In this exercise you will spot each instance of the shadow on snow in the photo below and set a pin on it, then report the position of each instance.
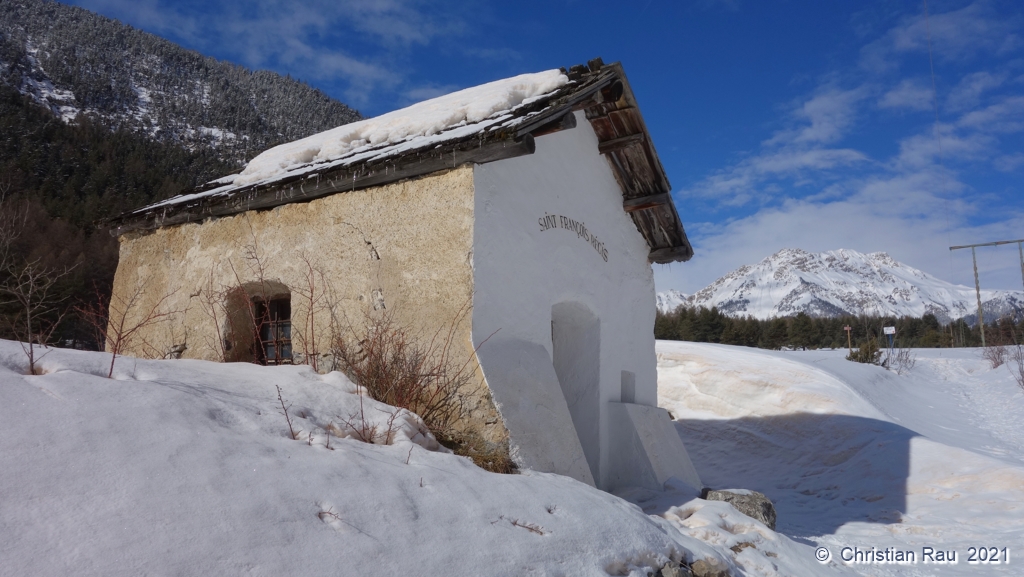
(820, 471)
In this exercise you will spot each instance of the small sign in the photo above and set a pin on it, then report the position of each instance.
(847, 328)
(889, 330)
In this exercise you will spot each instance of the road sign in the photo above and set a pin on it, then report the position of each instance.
(889, 330)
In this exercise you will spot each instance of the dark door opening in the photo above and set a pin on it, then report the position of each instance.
(273, 331)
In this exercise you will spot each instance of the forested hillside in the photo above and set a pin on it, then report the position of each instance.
(76, 62)
(97, 118)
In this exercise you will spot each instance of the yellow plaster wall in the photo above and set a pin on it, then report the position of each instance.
(408, 244)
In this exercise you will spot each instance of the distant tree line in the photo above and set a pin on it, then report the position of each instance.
(802, 331)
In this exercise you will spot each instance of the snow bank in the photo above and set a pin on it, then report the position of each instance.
(187, 468)
(853, 455)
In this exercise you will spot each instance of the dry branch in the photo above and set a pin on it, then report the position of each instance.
(118, 326)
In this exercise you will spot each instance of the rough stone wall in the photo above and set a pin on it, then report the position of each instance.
(405, 248)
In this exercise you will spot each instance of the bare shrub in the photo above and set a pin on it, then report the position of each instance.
(284, 411)
(398, 371)
(30, 289)
(902, 361)
(493, 457)
(314, 296)
(211, 302)
(367, 431)
(118, 326)
(426, 379)
(995, 355)
(33, 290)
(1016, 365)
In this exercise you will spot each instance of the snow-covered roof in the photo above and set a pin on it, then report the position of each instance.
(481, 124)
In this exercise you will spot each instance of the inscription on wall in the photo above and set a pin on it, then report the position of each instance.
(550, 221)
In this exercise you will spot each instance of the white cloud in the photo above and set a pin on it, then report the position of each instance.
(924, 149)
(955, 36)
(909, 94)
(816, 192)
(1007, 115)
(914, 216)
(967, 93)
(303, 37)
(739, 184)
(1009, 162)
(823, 118)
(795, 152)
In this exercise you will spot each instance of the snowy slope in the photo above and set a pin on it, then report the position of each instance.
(844, 282)
(670, 300)
(856, 456)
(187, 468)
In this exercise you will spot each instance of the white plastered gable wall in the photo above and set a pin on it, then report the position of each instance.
(565, 335)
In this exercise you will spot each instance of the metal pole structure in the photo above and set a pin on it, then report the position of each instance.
(977, 292)
(977, 285)
(1021, 250)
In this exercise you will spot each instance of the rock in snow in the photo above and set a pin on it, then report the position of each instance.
(841, 282)
(751, 503)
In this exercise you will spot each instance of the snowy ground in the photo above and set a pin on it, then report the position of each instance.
(856, 456)
(187, 468)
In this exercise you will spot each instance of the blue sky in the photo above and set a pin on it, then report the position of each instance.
(804, 123)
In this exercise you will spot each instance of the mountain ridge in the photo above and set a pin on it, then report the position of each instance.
(841, 282)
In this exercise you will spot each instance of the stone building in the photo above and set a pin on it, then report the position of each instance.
(523, 214)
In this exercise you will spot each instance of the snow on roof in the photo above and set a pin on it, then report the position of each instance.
(421, 125)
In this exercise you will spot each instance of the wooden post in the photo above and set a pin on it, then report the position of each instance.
(849, 342)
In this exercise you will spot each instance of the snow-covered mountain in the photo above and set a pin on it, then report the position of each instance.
(671, 299)
(841, 282)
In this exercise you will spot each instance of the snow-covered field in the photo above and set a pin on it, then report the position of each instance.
(187, 468)
(855, 456)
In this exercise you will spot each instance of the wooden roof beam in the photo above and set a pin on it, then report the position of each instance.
(566, 122)
(645, 202)
(620, 143)
(671, 254)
